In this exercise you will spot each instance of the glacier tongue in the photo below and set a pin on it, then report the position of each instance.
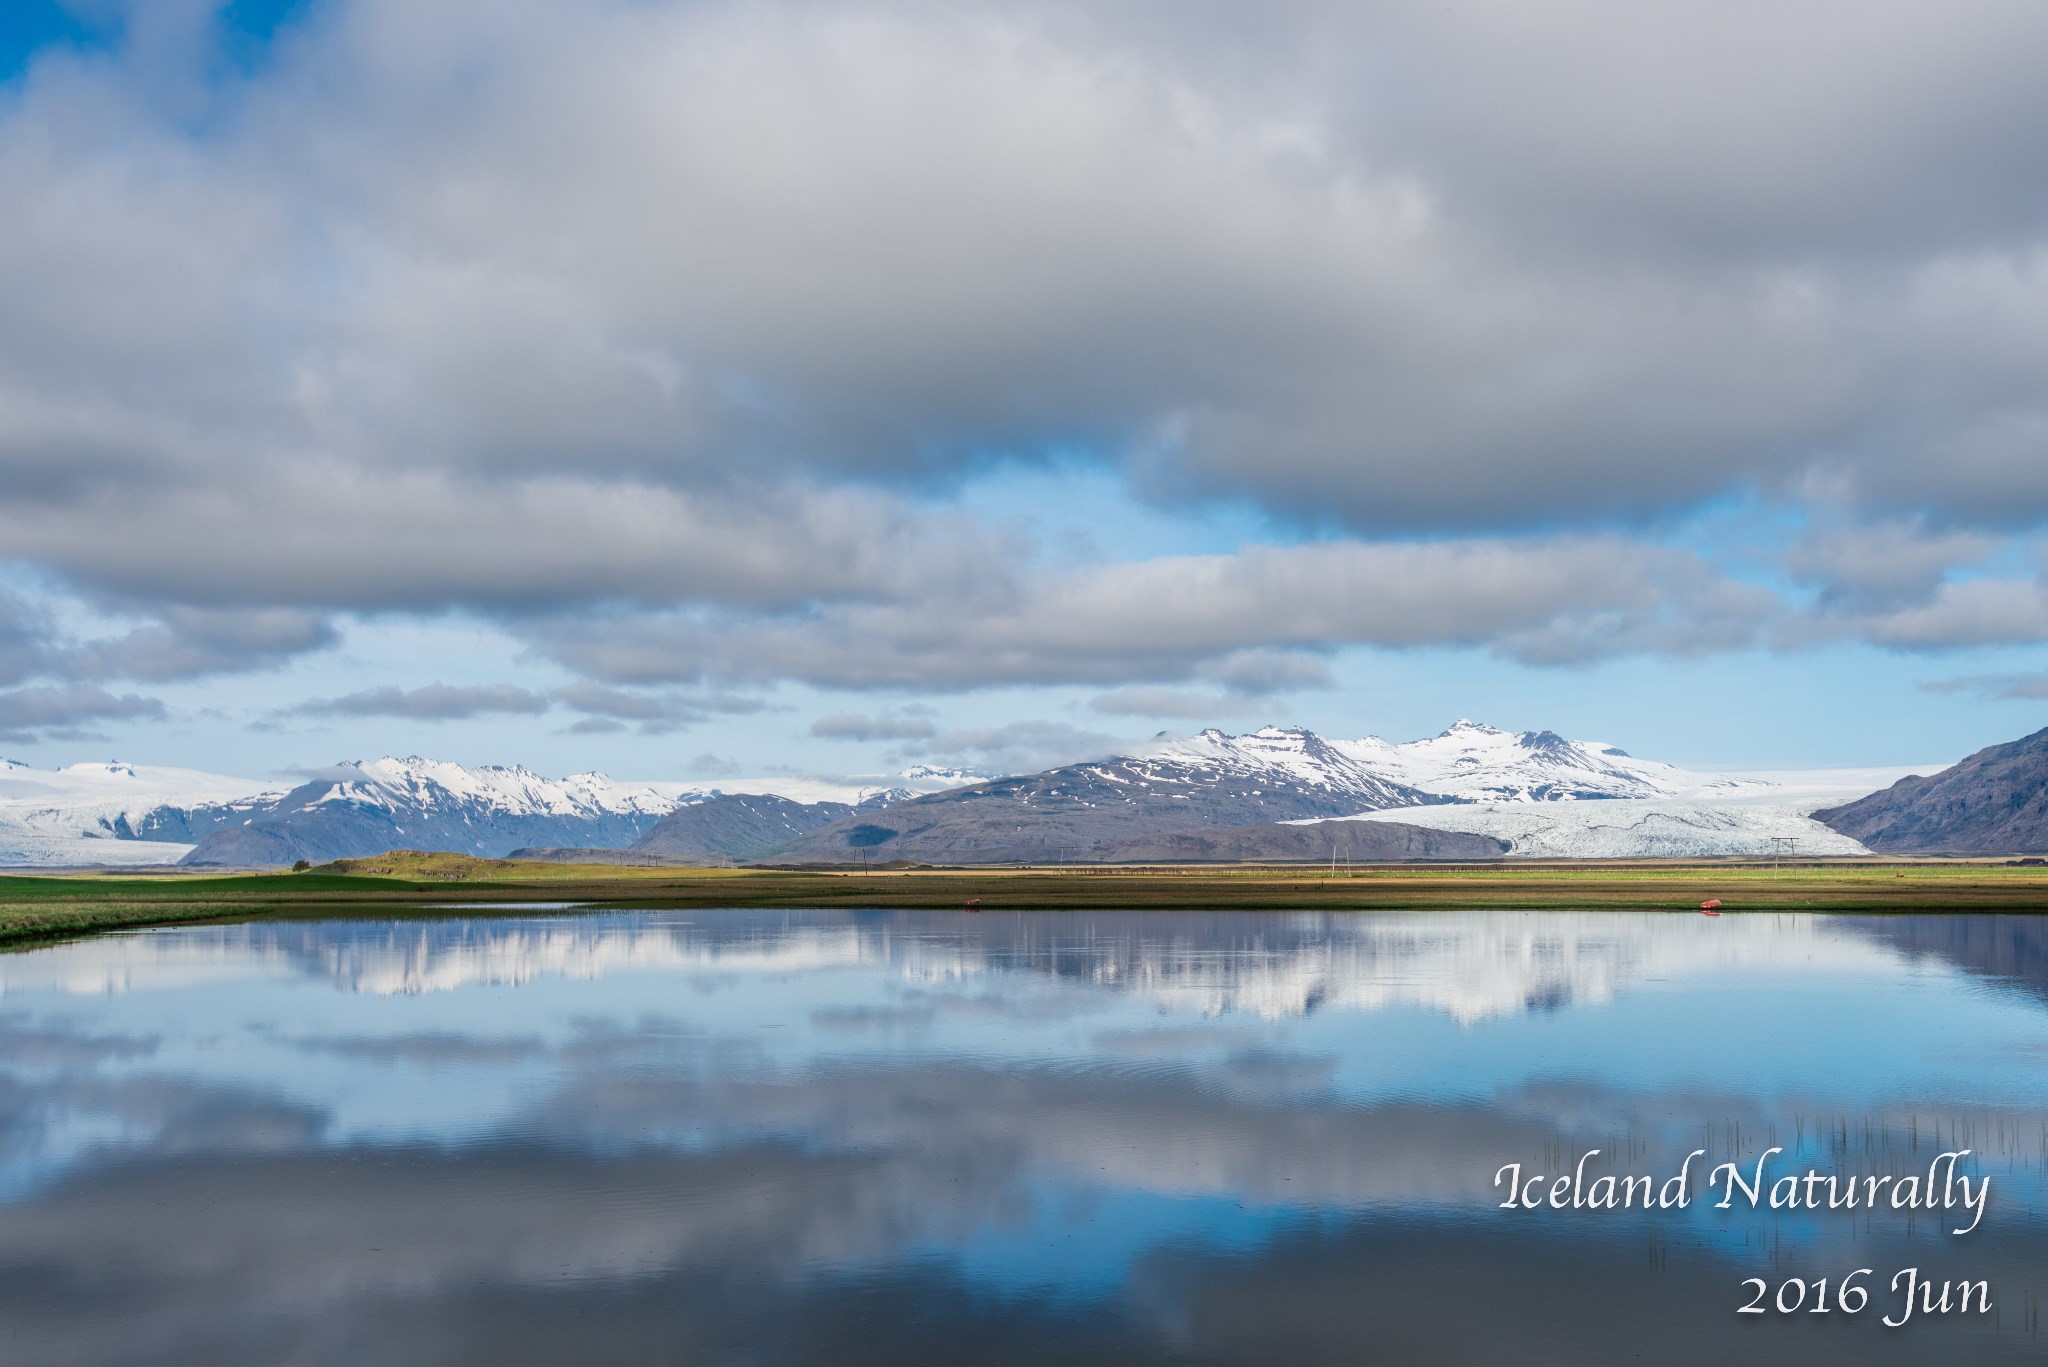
(1641, 828)
(101, 813)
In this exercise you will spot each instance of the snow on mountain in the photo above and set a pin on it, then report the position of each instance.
(931, 779)
(1546, 796)
(1473, 762)
(1535, 790)
(1632, 828)
(427, 785)
(1470, 762)
(1287, 756)
(108, 813)
(126, 814)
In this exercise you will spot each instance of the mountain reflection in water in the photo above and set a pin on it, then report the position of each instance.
(893, 1137)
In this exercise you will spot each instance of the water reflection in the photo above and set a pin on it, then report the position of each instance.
(892, 1137)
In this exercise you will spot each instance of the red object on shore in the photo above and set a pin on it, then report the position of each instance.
(1712, 906)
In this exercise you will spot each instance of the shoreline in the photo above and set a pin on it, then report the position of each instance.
(36, 909)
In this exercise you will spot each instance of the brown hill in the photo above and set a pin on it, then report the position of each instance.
(1994, 802)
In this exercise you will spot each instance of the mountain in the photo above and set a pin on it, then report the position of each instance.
(737, 826)
(368, 807)
(1219, 796)
(1473, 762)
(113, 813)
(359, 809)
(1534, 791)
(1305, 841)
(1630, 828)
(1210, 781)
(1994, 802)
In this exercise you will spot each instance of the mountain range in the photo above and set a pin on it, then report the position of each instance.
(1469, 792)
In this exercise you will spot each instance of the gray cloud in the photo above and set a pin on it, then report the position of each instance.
(1244, 616)
(618, 704)
(655, 713)
(1257, 673)
(1881, 565)
(1973, 612)
(858, 726)
(24, 639)
(178, 643)
(59, 711)
(1184, 703)
(1248, 681)
(1020, 747)
(639, 364)
(1997, 687)
(433, 702)
(194, 642)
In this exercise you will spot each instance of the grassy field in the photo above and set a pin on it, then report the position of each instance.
(33, 908)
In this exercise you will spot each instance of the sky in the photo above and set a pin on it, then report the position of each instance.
(687, 388)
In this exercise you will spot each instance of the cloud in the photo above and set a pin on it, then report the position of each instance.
(24, 638)
(656, 713)
(191, 643)
(857, 726)
(1993, 687)
(1974, 612)
(434, 702)
(59, 711)
(1020, 746)
(444, 311)
(1249, 680)
(1247, 616)
(1256, 673)
(1170, 702)
(1881, 565)
(176, 643)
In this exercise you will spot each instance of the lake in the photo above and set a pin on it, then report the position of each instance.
(1149, 1137)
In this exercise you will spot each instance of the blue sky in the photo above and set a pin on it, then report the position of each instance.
(683, 389)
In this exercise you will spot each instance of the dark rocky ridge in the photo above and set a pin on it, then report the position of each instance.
(737, 826)
(1359, 840)
(1081, 812)
(584, 854)
(1994, 802)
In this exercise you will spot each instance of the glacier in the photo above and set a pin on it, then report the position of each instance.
(110, 813)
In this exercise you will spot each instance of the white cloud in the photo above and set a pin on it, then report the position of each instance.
(659, 329)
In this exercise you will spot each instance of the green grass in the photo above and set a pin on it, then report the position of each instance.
(404, 882)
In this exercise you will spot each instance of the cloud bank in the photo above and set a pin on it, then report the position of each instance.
(664, 334)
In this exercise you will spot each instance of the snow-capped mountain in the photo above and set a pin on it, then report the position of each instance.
(1470, 762)
(929, 778)
(1286, 757)
(1540, 794)
(510, 790)
(1534, 790)
(367, 807)
(112, 813)
(360, 809)
(1207, 782)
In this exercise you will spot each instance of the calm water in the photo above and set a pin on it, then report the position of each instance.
(841, 1138)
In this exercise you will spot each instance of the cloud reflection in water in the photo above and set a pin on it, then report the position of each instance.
(846, 1137)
